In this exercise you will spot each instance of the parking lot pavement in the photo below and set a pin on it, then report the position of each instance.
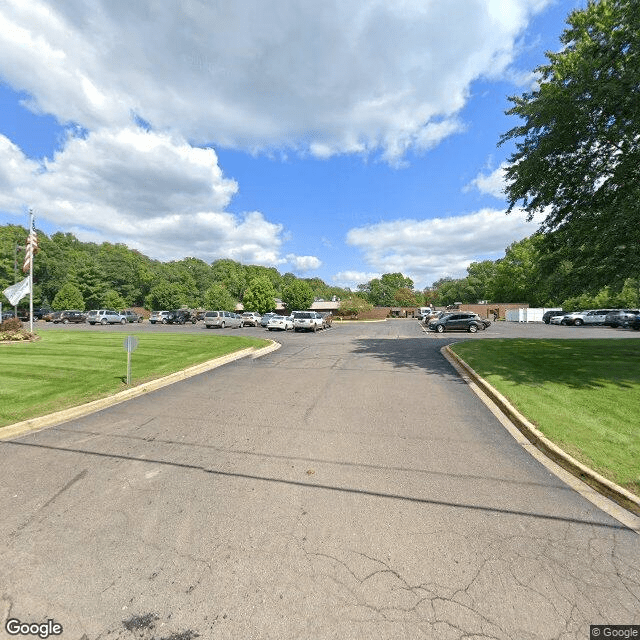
(401, 327)
(348, 485)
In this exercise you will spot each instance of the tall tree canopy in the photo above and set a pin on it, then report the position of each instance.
(577, 157)
(381, 291)
(260, 295)
(297, 295)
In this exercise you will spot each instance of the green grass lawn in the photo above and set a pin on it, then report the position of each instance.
(584, 395)
(66, 368)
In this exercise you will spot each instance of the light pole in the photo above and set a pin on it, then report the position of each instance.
(15, 271)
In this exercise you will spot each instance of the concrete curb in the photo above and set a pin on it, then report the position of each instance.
(609, 489)
(51, 419)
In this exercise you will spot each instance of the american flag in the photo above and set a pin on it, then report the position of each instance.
(31, 249)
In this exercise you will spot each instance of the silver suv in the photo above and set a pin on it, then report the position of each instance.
(307, 321)
(592, 316)
(251, 318)
(105, 316)
(222, 319)
(159, 316)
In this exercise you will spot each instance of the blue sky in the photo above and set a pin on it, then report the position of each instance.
(343, 139)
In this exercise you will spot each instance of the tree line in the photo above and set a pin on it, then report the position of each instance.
(70, 274)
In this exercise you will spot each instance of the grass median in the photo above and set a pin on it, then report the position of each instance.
(584, 395)
(64, 369)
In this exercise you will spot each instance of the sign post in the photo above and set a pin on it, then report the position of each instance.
(130, 345)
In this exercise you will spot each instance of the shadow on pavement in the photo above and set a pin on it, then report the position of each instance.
(410, 353)
(324, 487)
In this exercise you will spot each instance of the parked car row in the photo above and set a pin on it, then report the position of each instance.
(608, 317)
(95, 316)
(297, 321)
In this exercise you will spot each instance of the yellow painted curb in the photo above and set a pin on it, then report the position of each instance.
(33, 424)
(601, 484)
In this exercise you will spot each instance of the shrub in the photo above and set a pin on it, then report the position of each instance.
(11, 324)
(11, 329)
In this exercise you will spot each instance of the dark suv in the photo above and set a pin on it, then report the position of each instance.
(620, 317)
(547, 315)
(131, 316)
(470, 322)
(180, 316)
(71, 316)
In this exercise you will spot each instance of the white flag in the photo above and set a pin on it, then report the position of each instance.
(17, 291)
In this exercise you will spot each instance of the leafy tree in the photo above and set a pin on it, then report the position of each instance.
(113, 300)
(68, 297)
(381, 291)
(480, 278)
(516, 275)
(231, 274)
(127, 271)
(629, 297)
(260, 295)
(166, 295)
(404, 297)
(297, 295)
(577, 157)
(450, 291)
(175, 273)
(89, 278)
(354, 306)
(196, 275)
(253, 271)
(11, 261)
(217, 297)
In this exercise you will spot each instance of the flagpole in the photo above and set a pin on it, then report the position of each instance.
(31, 274)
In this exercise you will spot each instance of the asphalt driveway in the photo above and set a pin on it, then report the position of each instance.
(349, 485)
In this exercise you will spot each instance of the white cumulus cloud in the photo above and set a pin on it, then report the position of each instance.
(492, 184)
(153, 192)
(351, 279)
(426, 250)
(322, 77)
(304, 263)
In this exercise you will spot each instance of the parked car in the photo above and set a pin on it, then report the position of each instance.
(251, 319)
(264, 320)
(180, 316)
(73, 315)
(557, 319)
(620, 317)
(547, 315)
(51, 316)
(105, 316)
(591, 316)
(7, 315)
(158, 316)
(307, 321)
(327, 319)
(222, 319)
(635, 323)
(131, 316)
(466, 321)
(282, 323)
(38, 313)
